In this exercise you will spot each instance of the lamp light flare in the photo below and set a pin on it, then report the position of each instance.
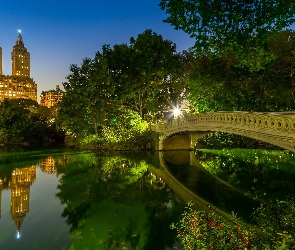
(176, 112)
(19, 31)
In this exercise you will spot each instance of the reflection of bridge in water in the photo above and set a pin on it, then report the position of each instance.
(274, 128)
(184, 190)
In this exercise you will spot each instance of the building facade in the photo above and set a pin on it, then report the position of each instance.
(51, 97)
(20, 59)
(19, 84)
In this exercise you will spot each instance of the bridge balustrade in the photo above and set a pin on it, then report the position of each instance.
(270, 127)
(271, 121)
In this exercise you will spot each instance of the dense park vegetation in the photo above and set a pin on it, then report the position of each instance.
(263, 175)
(111, 99)
(243, 60)
(24, 121)
(218, 84)
(223, 27)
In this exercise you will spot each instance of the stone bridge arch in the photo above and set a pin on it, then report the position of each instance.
(277, 128)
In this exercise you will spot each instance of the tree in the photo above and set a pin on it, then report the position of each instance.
(216, 84)
(220, 27)
(20, 122)
(158, 72)
(120, 80)
(90, 101)
(283, 47)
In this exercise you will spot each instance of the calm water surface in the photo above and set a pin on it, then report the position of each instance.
(57, 199)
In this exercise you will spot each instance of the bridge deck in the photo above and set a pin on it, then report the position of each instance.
(277, 128)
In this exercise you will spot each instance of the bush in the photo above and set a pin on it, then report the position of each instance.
(206, 230)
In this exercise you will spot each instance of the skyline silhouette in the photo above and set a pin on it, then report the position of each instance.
(61, 33)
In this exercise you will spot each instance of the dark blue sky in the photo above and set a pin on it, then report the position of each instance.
(60, 33)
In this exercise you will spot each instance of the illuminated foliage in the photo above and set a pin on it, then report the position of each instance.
(206, 230)
(107, 96)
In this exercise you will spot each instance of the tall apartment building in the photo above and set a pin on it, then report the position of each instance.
(51, 97)
(19, 84)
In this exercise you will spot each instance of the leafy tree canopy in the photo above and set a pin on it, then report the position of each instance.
(226, 26)
(122, 81)
(216, 84)
(21, 122)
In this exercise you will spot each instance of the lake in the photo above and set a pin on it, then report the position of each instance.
(65, 199)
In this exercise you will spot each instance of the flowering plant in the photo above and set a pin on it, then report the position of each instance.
(206, 230)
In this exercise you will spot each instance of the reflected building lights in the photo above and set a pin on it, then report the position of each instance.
(21, 180)
(18, 235)
(48, 165)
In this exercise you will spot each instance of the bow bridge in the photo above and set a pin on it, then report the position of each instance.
(277, 128)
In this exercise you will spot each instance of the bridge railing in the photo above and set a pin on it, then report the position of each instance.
(279, 121)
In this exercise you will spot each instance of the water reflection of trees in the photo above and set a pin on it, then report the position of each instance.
(268, 175)
(115, 201)
(263, 174)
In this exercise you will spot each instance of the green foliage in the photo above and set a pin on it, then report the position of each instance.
(266, 175)
(278, 224)
(283, 68)
(110, 203)
(220, 27)
(113, 91)
(127, 132)
(206, 230)
(226, 140)
(20, 122)
(127, 125)
(216, 84)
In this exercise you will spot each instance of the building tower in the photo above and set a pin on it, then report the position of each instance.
(19, 84)
(0, 61)
(20, 58)
(51, 98)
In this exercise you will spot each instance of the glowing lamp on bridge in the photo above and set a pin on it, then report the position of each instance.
(176, 112)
